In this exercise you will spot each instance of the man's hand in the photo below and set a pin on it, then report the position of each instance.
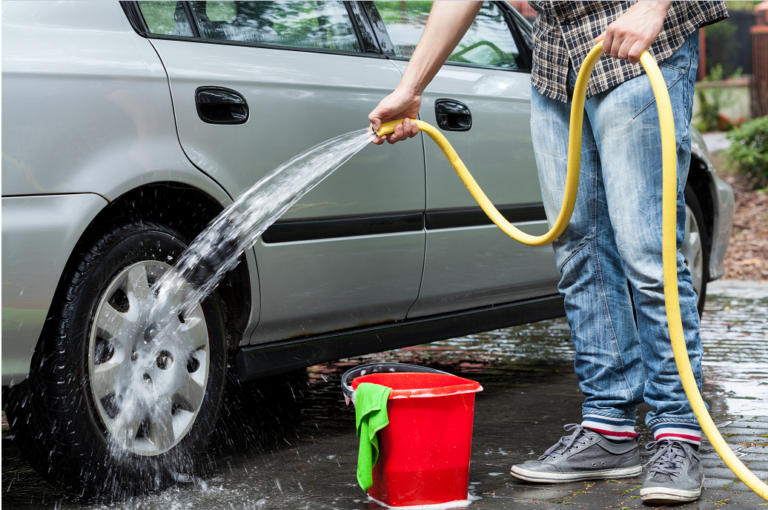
(447, 24)
(400, 104)
(635, 30)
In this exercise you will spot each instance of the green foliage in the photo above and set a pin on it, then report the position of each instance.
(159, 16)
(722, 47)
(748, 153)
(221, 11)
(415, 12)
(487, 42)
(742, 5)
(712, 100)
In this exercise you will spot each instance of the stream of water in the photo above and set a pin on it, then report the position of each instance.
(216, 250)
(198, 271)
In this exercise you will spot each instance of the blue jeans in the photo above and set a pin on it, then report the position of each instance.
(615, 237)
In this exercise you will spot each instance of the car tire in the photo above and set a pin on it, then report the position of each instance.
(695, 248)
(56, 418)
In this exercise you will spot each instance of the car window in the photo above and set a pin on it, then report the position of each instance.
(166, 18)
(314, 25)
(488, 42)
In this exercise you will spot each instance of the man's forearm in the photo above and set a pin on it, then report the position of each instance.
(447, 24)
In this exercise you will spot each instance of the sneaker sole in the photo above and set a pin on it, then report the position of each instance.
(665, 495)
(538, 477)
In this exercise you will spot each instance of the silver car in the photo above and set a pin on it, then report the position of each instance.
(129, 126)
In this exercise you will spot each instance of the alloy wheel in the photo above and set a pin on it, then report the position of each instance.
(692, 251)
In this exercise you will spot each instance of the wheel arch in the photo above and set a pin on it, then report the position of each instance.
(188, 210)
(701, 181)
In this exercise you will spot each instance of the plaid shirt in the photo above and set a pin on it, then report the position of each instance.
(565, 31)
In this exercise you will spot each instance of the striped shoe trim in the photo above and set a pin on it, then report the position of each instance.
(677, 431)
(610, 427)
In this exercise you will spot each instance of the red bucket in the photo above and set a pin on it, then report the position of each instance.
(424, 451)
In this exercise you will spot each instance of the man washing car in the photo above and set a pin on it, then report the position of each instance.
(614, 236)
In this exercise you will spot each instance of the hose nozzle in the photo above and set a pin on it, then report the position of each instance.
(388, 128)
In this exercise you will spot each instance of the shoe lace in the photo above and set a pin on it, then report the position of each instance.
(668, 459)
(565, 442)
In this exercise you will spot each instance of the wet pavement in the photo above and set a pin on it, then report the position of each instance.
(288, 442)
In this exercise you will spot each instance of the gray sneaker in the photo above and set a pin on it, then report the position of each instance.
(584, 455)
(675, 473)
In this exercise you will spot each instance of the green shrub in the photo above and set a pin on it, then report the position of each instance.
(748, 153)
(713, 99)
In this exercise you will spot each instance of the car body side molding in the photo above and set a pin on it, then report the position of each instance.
(347, 226)
(287, 231)
(274, 358)
(474, 216)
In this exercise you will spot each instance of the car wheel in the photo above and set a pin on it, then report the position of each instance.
(111, 409)
(694, 248)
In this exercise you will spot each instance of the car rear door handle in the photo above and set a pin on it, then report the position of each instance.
(217, 105)
(452, 115)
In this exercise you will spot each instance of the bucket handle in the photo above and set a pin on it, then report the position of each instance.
(377, 368)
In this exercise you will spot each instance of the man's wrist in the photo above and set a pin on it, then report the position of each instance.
(661, 7)
(410, 89)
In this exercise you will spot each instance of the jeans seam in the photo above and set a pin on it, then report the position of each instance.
(659, 421)
(682, 73)
(610, 319)
(687, 92)
(593, 221)
(581, 247)
(622, 416)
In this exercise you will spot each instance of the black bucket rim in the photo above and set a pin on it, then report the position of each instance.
(376, 368)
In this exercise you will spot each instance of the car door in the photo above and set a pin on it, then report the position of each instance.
(351, 252)
(481, 101)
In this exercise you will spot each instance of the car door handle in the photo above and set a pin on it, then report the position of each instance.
(452, 115)
(217, 105)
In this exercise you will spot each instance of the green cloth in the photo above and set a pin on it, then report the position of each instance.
(370, 417)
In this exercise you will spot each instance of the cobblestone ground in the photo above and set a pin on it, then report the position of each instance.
(289, 442)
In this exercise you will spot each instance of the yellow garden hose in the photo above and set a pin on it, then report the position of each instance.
(669, 231)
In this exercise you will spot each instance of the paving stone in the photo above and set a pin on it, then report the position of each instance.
(717, 483)
(515, 484)
(754, 457)
(529, 493)
(539, 494)
(706, 448)
(755, 449)
(740, 487)
(747, 498)
(727, 474)
(746, 439)
(707, 505)
(501, 503)
(754, 425)
(744, 431)
(699, 505)
(715, 495)
(595, 499)
(632, 503)
(712, 462)
(709, 455)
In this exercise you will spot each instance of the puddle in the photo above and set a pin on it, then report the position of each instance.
(735, 338)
